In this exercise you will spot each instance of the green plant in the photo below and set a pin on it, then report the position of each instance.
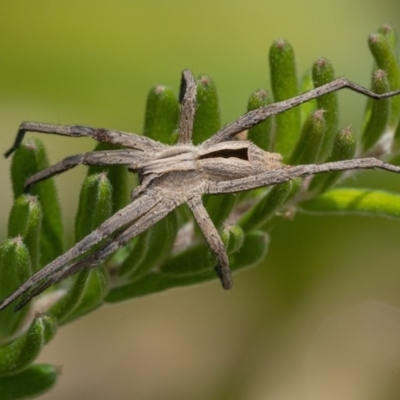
(305, 134)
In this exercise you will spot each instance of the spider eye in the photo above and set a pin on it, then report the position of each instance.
(241, 153)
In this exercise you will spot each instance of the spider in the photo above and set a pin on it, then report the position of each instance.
(177, 174)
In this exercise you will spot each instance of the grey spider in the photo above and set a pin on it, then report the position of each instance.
(173, 175)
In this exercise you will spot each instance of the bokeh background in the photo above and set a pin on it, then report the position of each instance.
(320, 319)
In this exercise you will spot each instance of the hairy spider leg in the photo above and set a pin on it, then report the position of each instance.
(287, 173)
(131, 213)
(213, 240)
(155, 214)
(258, 115)
(132, 158)
(130, 140)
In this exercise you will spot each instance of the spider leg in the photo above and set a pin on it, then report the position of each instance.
(287, 173)
(132, 158)
(158, 212)
(254, 117)
(130, 140)
(133, 211)
(187, 97)
(213, 240)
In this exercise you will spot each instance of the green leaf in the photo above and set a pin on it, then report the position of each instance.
(265, 209)
(19, 354)
(261, 134)
(117, 176)
(207, 120)
(91, 285)
(233, 236)
(308, 147)
(384, 52)
(355, 202)
(95, 204)
(85, 294)
(219, 208)
(390, 35)
(344, 148)
(31, 382)
(194, 260)
(378, 114)
(199, 259)
(252, 252)
(162, 113)
(397, 136)
(323, 73)
(284, 86)
(15, 268)
(136, 254)
(28, 159)
(306, 84)
(159, 241)
(25, 220)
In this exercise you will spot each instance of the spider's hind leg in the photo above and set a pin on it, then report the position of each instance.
(214, 240)
(154, 214)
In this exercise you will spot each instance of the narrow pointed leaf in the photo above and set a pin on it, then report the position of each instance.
(308, 147)
(254, 249)
(162, 113)
(27, 160)
(385, 56)
(284, 86)
(25, 220)
(17, 355)
(95, 204)
(261, 134)
(355, 202)
(344, 148)
(234, 238)
(397, 135)
(15, 268)
(272, 201)
(196, 259)
(91, 285)
(390, 35)
(323, 73)
(160, 239)
(379, 113)
(117, 176)
(199, 259)
(306, 84)
(33, 381)
(207, 120)
(140, 247)
(86, 294)
(219, 207)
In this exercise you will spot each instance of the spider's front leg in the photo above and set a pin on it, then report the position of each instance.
(254, 117)
(130, 140)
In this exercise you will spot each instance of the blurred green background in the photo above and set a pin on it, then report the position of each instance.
(92, 63)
